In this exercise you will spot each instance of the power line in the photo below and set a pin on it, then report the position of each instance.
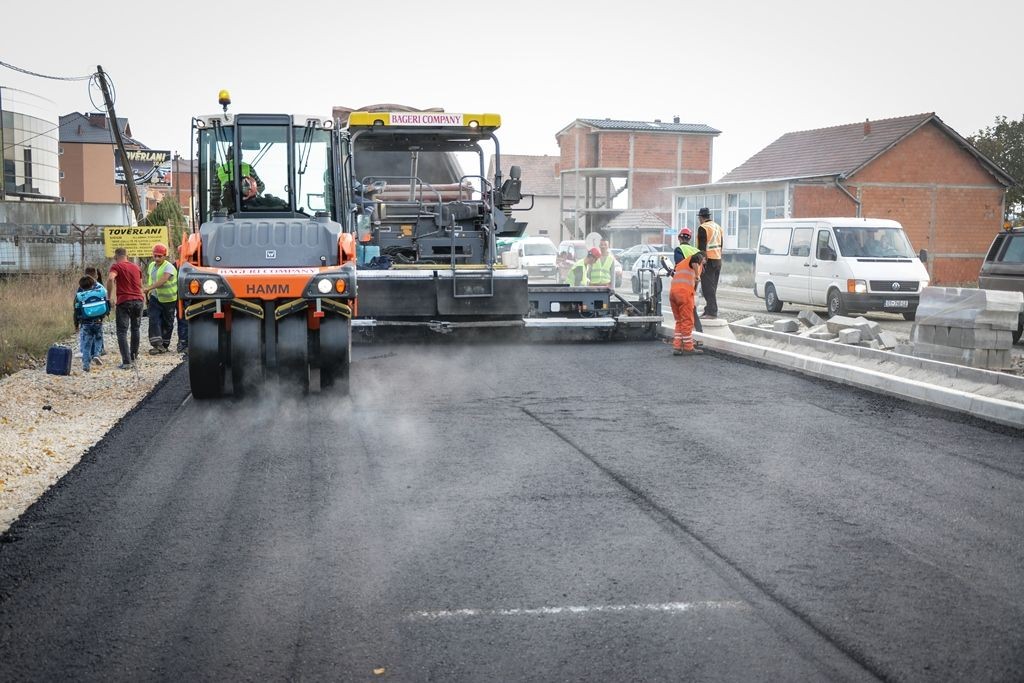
(52, 78)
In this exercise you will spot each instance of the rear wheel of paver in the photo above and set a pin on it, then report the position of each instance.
(909, 315)
(771, 299)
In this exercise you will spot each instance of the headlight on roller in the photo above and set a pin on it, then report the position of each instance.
(324, 286)
(210, 286)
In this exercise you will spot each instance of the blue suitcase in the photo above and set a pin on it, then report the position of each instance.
(58, 360)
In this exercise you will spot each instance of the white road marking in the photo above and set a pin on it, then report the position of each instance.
(578, 609)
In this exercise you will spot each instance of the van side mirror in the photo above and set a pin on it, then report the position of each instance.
(923, 255)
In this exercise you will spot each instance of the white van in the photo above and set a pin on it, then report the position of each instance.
(847, 265)
(536, 255)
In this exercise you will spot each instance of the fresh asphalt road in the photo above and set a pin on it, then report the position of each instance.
(534, 512)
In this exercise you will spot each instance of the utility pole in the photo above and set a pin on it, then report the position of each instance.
(3, 172)
(129, 176)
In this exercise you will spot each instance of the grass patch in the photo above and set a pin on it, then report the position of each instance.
(738, 274)
(35, 312)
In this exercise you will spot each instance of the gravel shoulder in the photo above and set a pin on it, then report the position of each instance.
(48, 422)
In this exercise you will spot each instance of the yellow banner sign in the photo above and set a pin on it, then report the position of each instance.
(137, 241)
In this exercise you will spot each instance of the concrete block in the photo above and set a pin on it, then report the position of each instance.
(989, 359)
(840, 322)
(788, 325)
(887, 340)
(924, 334)
(965, 307)
(849, 336)
(869, 329)
(986, 338)
(810, 319)
(749, 321)
(826, 335)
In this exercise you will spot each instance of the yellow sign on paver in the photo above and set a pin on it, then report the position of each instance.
(137, 241)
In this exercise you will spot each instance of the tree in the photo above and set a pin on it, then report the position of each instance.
(168, 212)
(1003, 143)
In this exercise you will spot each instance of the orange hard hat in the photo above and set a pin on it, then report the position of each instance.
(595, 252)
(159, 249)
(686, 232)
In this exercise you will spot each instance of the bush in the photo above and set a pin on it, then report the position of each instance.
(35, 312)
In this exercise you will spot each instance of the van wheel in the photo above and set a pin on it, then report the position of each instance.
(909, 315)
(835, 303)
(771, 299)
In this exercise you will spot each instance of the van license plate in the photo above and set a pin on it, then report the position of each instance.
(895, 303)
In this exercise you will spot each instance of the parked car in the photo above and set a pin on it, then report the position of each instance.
(630, 255)
(1003, 268)
(640, 274)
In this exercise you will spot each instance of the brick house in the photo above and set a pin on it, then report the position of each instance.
(87, 158)
(913, 169)
(603, 159)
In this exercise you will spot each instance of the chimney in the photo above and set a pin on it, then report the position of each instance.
(97, 120)
(657, 120)
(867, 127)
(675, 119)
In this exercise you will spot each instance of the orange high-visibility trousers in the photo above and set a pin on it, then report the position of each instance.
(682, 301)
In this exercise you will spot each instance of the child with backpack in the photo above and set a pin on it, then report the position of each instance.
(90, 307)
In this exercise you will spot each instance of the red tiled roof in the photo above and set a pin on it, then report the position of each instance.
(835, 151)
(538, 172)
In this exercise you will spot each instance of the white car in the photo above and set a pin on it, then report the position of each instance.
(642, 266)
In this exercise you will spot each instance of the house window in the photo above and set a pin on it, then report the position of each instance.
(744, 222)
(687, 208)
(775, 204)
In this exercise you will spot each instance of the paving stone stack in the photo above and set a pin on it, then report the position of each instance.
(971, 327)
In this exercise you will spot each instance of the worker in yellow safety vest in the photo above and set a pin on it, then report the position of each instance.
(579, 274)
(602, 273)
(161, 292)
(709, 241)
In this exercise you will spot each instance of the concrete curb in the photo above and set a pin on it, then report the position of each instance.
(996, 410)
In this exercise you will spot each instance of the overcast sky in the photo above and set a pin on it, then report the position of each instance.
(753, 70)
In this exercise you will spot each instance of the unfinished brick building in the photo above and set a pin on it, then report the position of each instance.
(604, 159)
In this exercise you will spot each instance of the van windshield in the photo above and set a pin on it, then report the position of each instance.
(539, 249)
(873, 243)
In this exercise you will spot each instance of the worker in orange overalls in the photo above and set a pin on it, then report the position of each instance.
(689, 263)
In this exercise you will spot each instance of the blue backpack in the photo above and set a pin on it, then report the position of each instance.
(92, 303)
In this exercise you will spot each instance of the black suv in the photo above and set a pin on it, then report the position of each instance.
(1004, 267)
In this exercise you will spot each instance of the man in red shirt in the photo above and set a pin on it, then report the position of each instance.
(126, 278)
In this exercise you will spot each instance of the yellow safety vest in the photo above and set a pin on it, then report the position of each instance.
(601, 271)
(581, 268)
(168, 291)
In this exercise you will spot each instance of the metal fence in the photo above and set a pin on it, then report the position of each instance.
(49, 248)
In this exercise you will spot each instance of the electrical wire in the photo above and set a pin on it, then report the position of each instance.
(52, 78)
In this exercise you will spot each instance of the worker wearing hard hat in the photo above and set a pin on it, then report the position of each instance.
(603, 271)
(709, 240)
(161, 292)
(579, 274)
(688, 266)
